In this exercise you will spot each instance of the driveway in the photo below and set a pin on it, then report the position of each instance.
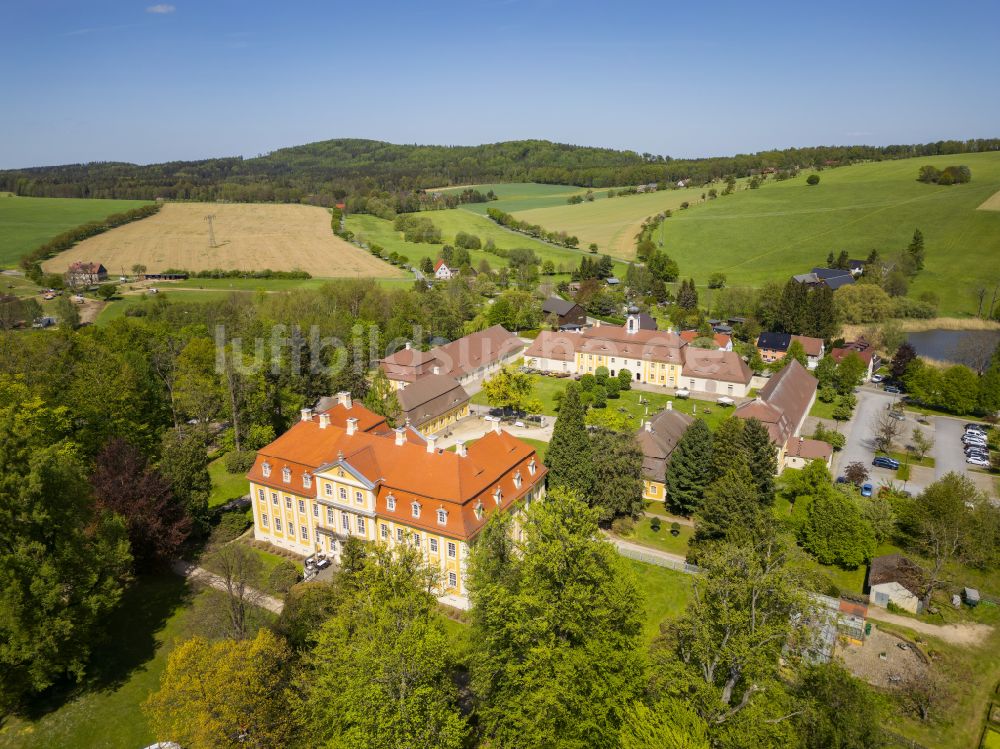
(858, 431)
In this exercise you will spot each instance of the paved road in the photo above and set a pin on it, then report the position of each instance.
(949, 454)
(858, 430)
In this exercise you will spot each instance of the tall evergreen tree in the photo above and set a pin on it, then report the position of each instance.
(728, 447)
(730, 512)
(762, 459)
(916, 249)
(556, 631)
(822, 319)
(617, 475)
(569, 456)
(689, 469)
(793, 309)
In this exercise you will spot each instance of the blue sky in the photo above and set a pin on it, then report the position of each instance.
(145, 82)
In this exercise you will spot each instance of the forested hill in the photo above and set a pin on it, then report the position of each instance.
(326, 171)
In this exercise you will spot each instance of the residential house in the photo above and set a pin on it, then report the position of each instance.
(565, 312)
(467, 359)
(342, 473)
(82, 273)
(653, 357)
(782, 406)
(864, 350)
(433, 403)
(895, 579)
(658, 437)
(774, 346)
(444, 272)
(722, 341)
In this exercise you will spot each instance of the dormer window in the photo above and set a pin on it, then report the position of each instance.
(307, 480)
(265, 468)
(517, 480)
(286, 474)
(415, 509)
(497, 495)
(390, 503)
(479, 510)
(442, 517)
(532, 467)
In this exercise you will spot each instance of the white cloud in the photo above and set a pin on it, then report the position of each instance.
(161, 8)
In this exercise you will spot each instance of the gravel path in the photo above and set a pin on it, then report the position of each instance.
(968, 634)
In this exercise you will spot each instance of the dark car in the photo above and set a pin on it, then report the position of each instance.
(883, 462)
(892, 389)
(841, 480)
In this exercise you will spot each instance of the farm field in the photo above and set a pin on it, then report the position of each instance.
(788, 227)
(248, 237)
(611, 223)
(521, 196)
(371, 229)
(26, 223)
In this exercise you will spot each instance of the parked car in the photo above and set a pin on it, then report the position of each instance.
(979, 441)
(866, 490)
(883, 462)
(978, 461)
(322, 564)
(892, 389)
(841, 480)
(877, 378)
(897, 415)
(976, 427)
(682, 393)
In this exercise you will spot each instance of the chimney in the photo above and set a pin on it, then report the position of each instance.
(324, 421)
(460, 449)
(400, 435)
(670, 405)
(648, 425)
(408, 345)
(352, 426)
(344, 399)
(431, 443)
(307, 414)
(436, 369)
(496, 426)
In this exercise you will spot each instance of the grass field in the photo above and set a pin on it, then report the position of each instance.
(667, 593)
(610, 222)
(26, 223)
(105, 711)
(788, 227)
(247, 236)
(521, 196)
(662, 539)
(225, 485)
(371, 229)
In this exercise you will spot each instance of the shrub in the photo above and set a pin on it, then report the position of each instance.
(624, 379)
(655, 524)
(231, 526)
(239, 461)
(282, 577)
(812, 179)
(623, 526)
(612, 387)
(600, 397)
(675, 529)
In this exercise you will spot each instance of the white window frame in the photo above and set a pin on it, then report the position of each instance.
(331, 518)
(390, 503)
(517, 480)
(343, 494)
(307, 481)
(433, 545)
(315, 510)
(532, 467)
(452, 550)
(384, 530)
(452, 580)
(286, 475)
(361, 525)
(400, 535)
(415, 509)
(263, 519)
(416, 539)
(302, 505)
(274, 498)
(498, 496)
(345, 522)
(305, 532)
(442, 517)
(359, 497)
(288, 503)
(329, 490)
(265, 468)
(277, 524)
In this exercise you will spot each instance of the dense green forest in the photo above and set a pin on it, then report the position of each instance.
(327, 171)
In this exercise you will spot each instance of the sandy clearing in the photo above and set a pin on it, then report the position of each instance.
(966, 634)
(249, 236)
(992, 203)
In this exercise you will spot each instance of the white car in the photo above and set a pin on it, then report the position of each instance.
(977, 461)
(682, 393)
(877, 378)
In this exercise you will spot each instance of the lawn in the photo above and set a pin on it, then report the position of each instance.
(662, 539)
(628, 405)
(667, 593)
(105, 711)
(225, 485)
(905, 458)
(540, 447)
(788, 227)
(823, 410)
(26, 223)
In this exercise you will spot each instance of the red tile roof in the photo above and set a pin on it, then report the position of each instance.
(721, 339)
(726, 366)
(783, 402)
(551, 345)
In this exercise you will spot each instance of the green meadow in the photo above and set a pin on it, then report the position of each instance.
(789, 227)
(522, 196)
(26, 223)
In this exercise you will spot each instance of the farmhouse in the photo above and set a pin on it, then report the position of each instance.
(774, 346)
(895, 579)
(565, 312)
(342, 473)
(653, 357)
(832, 278)
(782, 405)
(864, 350)
(657, 438)
(443, 272)
(84, 274)
(433, 403)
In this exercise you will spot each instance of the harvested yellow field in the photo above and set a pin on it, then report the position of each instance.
(992, 203)
(248, 236)
(611, 223)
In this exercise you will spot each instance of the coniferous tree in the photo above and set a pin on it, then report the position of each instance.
(569, 456)
(617, 486)
(730, 512)
(821, 319)
(916, 249)
(556, 630)
(729, 447)
(762, 459)
(689, 469)
(793, 309)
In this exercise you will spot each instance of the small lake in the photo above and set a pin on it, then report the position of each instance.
(970, 347)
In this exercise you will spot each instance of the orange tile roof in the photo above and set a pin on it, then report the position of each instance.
(726, 366)
(721, 339)
(551, 345)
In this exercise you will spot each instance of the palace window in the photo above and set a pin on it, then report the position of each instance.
(385, 531)
(328, 488)
(517, 480)
(361, 526)
(434, 545)
(390, 503)
(288, 503)
(274, 498)
(532, 467)
(359, 497)
(315, 511)
(286, 475)
(479, 510)
(302, 505)
(345, 522)
(307, 480)
(333, 544)
(451, 550)
(343, 494)
(416, 540)
(415, 509)
(260, 495)
(442, 516)
(305, 532)
(497, 495)
(399, 535)
(277, 524)
(263, 520)
(330, 518)
(452, 580)
(265, 468)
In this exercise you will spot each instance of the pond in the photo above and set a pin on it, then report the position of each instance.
(969, 347)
